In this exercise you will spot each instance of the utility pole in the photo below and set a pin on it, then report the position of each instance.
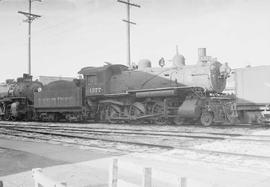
(128, 27)
(30, 17)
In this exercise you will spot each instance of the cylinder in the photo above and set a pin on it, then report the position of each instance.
(191, 108)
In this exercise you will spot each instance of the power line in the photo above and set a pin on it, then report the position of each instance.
(128, 27)
(30, 17)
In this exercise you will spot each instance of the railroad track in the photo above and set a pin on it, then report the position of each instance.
(122, 140)
(143, 132)
(137, 127)
(33, 134)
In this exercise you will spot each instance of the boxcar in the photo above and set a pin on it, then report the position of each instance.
(251, 88)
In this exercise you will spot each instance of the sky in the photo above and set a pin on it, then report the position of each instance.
(72, 34)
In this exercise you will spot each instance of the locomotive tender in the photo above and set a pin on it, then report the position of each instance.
(142, 94)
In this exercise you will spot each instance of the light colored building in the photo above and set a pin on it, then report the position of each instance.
(3, 89)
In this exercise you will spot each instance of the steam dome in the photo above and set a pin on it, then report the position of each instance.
(144, 63)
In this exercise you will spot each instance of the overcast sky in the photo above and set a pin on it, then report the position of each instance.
(72, 34)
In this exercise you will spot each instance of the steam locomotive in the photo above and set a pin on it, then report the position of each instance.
(116, 93)
(17, 100)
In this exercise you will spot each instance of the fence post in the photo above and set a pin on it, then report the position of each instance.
(1, 184)
(113, 173)
(182, 182)
(34, 171)
(147, 177)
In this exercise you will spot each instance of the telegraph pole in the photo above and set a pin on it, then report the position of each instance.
(128, 27)
(30, 17)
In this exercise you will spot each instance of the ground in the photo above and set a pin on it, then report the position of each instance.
(85, 167)
(17, 158)
(14, 161)
(165, 170)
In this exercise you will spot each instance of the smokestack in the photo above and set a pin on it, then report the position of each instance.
(202, 58)
(201, 53)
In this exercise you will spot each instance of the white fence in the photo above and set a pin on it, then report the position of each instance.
(40, 180)
(43, 181)
(114, 181)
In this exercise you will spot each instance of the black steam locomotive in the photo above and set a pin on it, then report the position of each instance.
(117, 93)
(17, 100)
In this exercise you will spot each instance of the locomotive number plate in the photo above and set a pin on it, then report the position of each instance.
(95, 90)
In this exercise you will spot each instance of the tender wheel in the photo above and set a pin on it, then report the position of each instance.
(207, 118)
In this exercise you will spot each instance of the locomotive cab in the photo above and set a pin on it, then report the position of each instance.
(98, 78)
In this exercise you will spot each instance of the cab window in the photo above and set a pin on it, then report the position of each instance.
(91, 79)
